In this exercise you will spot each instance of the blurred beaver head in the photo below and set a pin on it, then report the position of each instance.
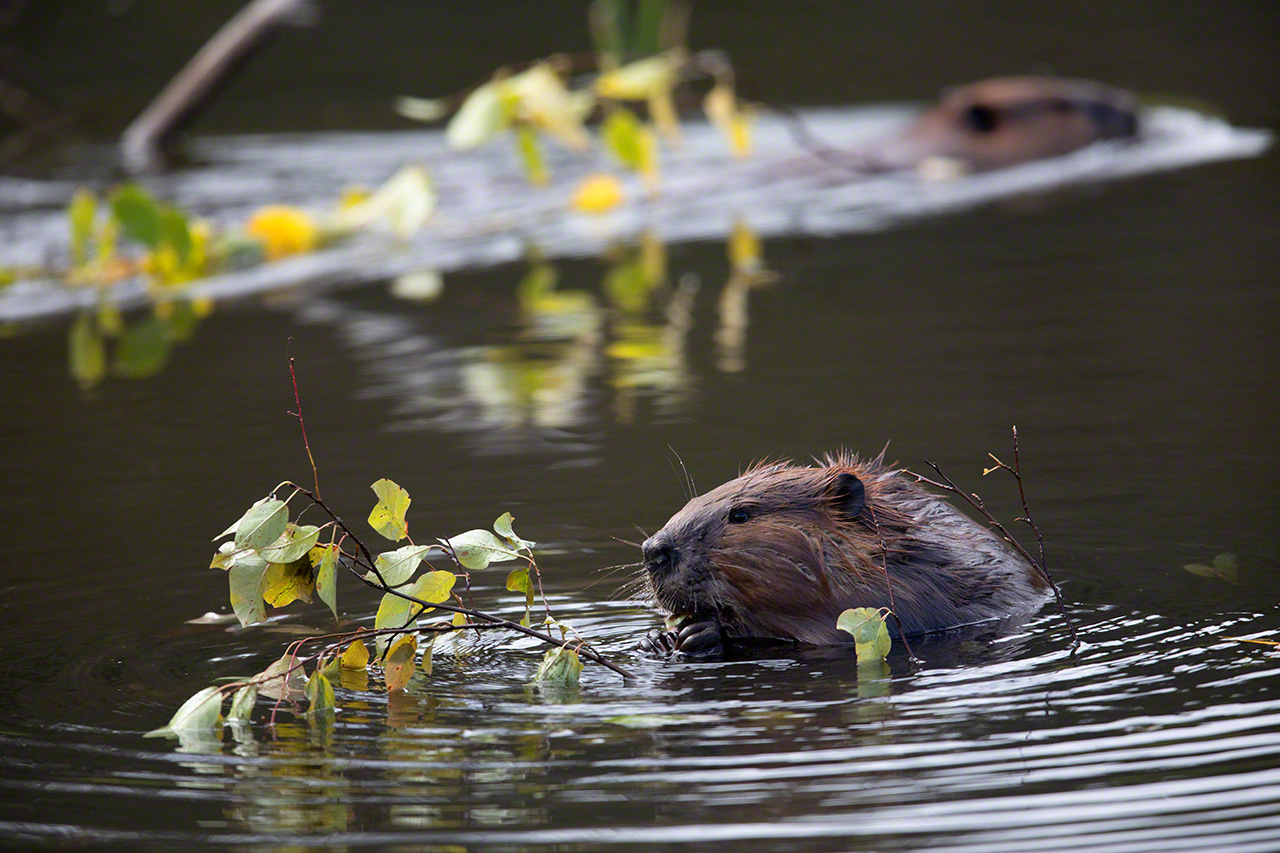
(1008, 120)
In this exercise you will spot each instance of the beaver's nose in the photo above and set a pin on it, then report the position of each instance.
(658, 551)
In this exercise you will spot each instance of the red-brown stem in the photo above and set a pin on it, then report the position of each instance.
(297, 399)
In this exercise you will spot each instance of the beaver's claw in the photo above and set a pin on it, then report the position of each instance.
(696, 639)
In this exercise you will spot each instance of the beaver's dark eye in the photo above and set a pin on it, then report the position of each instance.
(738, 515)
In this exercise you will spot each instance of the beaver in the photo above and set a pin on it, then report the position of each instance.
(1008, 120)
(780, 551)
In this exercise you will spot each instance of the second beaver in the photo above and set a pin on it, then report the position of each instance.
(1008, 120)
(782, 550)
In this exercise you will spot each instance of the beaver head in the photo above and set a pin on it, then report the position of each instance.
(1000, 122)
(782, 550)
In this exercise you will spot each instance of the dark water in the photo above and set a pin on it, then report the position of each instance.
(1130, 331)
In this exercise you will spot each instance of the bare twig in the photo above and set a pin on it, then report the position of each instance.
(976, 502)
(297, 398)
(884, 565)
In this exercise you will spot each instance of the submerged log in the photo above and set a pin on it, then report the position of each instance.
(144, 141)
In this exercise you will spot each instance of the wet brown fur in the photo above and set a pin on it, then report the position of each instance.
(799, 560)
(1007, 120)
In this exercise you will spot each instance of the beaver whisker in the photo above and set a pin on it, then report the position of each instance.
(626, 541)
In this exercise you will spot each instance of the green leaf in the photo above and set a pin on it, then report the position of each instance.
(519, 581)
(319, 693)
(503, 528)
(248, 581)
(324, 559)
(242, 704)
(292, 545)
(870, 633)
(138, 214)
(396, 567)
(87, 351)
(274, 683)
(560, 666)
(476, 549)
(388, 516)
(433, 587)
(530, 149)
(143, 349)
(623, 137)
(202, 711)
(262, 524)
(80, 213)
(393, 612)
(175, 232)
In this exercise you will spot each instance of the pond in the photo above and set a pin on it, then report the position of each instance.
(1129, 329)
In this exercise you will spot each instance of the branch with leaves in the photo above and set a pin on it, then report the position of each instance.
(273, 561)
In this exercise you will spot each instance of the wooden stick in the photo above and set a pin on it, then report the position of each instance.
(142, 144)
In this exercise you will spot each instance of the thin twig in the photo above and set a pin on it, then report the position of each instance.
(297, 398)
(884, 564)
(976, 502)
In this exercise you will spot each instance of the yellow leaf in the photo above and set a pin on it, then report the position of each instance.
(544, 101)
(433, 587)
(288, 582)
(637, 81)
(388, 516)
(598, 193)
(730, 118)
(398, 667)
(283, 231)
(744, 248)
(482, 116)
(662, 111)
(356, 656)
(425, 663)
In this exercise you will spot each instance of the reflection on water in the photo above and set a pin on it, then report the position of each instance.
(628, 335)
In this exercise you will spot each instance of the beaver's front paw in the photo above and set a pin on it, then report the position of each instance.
(695, 640)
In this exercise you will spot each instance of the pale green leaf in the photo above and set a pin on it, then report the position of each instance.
(248, 582)
(284, 679)
(324, 559)
(240, 520)
(396, 567)
(425, 662)
(503, 528)
(242, 704)
(387, 516)
(201, 711)
(422, 109)
(870, 633)
(262, 524)
(292, 545)
(560, 666)
(393, 612)
(482, 116)
(476, 549)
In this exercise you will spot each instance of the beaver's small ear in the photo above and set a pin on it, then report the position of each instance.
(848, 496)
